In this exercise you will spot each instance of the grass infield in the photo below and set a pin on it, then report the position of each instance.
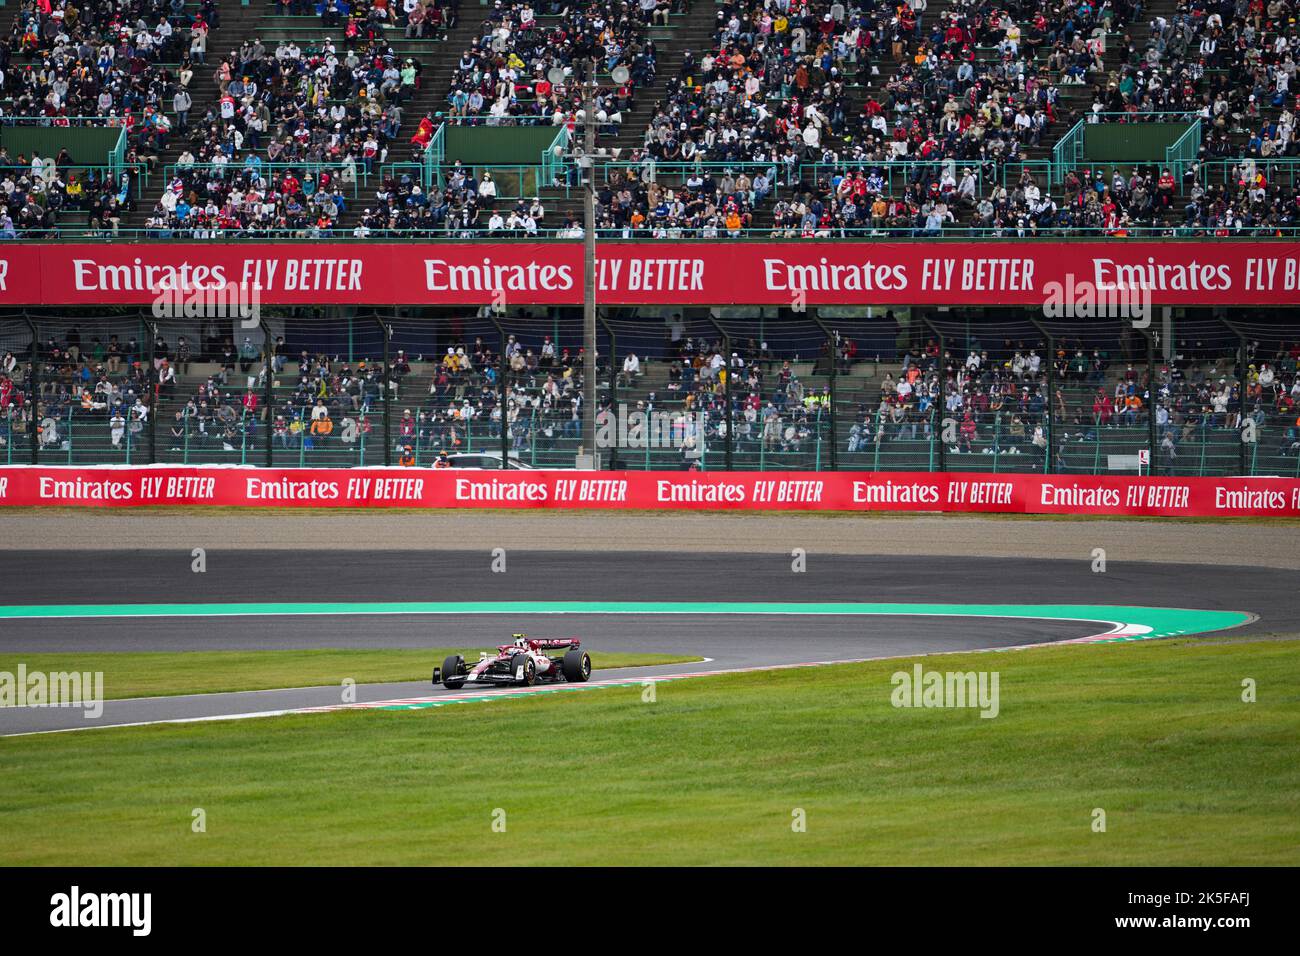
(1154, 734)
(163, 674)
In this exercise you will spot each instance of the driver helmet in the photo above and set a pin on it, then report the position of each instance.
(521, 640)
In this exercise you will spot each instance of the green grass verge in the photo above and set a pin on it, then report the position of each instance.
(1154, 734)
(139, 674)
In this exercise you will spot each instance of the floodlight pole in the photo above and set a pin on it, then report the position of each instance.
(587, 165)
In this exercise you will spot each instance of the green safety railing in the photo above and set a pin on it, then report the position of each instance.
(117, 155)
(1003, 441)
(1182, 153)
(897, 174)
(1068, 152)
(677, 173)
(554, 163)
(434, 156)
(58, 121)
(894, 233)
(524, 181)
(415, 170)
(353, 175)
(115, 158)
(1277, 170)
(488, 119)
(1040, 170)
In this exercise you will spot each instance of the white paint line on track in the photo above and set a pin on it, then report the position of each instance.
(490, 694)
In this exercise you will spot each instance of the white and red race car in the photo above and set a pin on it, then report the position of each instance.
(522, 662)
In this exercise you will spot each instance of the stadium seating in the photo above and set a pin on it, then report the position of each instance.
(896, 401)
(857, 119)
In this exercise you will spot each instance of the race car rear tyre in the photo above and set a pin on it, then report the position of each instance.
(576, 666)
(452, 678)
(530, 669)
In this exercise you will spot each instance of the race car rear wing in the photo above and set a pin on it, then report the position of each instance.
(556, 643)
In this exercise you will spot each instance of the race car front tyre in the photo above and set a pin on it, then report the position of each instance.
(529, 669)
(452, 677)
(576, 666)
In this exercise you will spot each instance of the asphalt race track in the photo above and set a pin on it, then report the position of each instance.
(727, 641)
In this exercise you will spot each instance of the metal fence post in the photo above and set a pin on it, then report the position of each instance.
(1242, 366)
(726, 354)
(34, 379)
(503, 367)
(1151, 404)
(833, 352)
(1050, 420)
(268, 393)
(1242, 376)
(613, 389)
(387, 331)
(151, 376)
(941, 401)
(1049, 425)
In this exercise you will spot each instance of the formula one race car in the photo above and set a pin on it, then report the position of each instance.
(522, 662)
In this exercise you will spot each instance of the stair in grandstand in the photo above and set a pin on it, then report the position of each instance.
(204, 94)
(259, 19)
(436, 54)
(855, 98)
(1077, 99)
(686, 31)
(691, 30)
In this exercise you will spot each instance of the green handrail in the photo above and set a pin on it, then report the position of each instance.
(891, 170)
(1067, 153)
(435, 155)
(908, 233)
(554, 163)
(117, 155)
(1183, 151)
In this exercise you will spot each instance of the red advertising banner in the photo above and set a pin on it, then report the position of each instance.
(117, 487)
(655, 273)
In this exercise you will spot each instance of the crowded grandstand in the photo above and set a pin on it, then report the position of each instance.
(749, 118)
(923, 392)
(784, 120)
